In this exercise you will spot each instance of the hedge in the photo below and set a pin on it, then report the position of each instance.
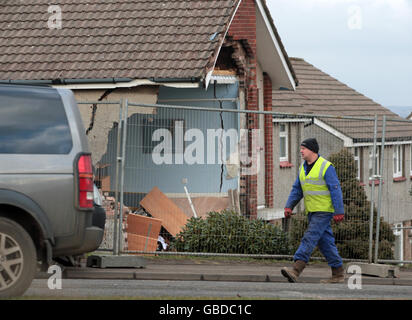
(229, 232)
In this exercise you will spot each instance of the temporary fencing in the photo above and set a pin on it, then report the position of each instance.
(215, 180)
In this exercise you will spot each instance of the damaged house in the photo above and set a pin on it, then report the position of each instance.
(223, 54)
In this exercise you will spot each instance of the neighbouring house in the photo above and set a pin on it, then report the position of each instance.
(320, 94)
(194, 53)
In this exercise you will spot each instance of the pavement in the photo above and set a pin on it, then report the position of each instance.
(220, 270)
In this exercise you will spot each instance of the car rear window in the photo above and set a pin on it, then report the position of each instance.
(33, 121)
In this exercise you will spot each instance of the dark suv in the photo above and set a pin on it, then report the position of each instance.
(46, 184)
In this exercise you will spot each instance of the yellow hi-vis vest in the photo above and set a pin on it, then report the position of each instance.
(315, 191)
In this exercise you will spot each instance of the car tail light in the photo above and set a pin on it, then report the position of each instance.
(85, 182)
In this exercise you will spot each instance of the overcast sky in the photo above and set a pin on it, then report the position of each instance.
(366, 44)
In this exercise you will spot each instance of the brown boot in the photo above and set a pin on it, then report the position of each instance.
(338, 276)
(292, 274)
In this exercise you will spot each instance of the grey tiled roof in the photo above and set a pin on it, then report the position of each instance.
(137, 39)
(320, 94)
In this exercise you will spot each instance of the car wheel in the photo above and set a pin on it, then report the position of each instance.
(18, 261)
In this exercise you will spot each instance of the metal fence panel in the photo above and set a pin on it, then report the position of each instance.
(204, 180)
(352, 236)
(395, 190)
(104, 136)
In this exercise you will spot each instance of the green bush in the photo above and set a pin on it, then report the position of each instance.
(352, 234)
(229, 232)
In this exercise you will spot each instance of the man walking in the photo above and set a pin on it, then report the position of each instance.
(319, 185)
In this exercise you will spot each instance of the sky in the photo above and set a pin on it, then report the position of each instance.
(366, 44)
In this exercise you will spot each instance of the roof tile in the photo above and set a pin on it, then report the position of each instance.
(320, 94)
(111, 38)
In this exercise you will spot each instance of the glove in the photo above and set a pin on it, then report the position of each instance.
(338, 217)
(288, 213)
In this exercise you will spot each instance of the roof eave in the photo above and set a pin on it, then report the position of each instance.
(278, 50)
(208, 71)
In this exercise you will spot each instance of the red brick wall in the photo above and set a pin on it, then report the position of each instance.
(267, 93)
(243, 28)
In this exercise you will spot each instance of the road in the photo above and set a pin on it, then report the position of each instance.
(156, 289)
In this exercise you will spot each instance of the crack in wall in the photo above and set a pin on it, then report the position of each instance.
(222, 125)
(94, 110)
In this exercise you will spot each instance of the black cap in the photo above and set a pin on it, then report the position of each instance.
(311, 144)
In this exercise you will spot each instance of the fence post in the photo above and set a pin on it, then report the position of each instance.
(372, 189)
(123, 157)
(378, 218)
(116, 196)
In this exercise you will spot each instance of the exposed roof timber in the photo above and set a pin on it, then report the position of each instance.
(209, 70)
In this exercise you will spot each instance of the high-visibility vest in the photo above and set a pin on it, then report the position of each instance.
(315, 191)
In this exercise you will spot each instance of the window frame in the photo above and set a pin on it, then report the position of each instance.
(377, 159)
(397, 155)
(284, 135)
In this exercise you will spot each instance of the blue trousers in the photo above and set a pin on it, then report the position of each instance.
(319, 233)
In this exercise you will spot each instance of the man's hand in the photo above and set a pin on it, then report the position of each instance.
(288, 213)
(338, 217)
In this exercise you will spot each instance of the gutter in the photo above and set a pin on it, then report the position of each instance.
(67, 81)
(109, 83)
(174, 80)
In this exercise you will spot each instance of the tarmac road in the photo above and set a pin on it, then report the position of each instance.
(155, 289)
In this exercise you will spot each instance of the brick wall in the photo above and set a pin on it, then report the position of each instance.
(243, 26)
(243, 29)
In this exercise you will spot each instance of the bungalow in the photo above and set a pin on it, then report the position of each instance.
(320, 94)
(219, 54)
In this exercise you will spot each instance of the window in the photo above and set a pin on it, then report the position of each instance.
(397, 161)
(377, 161)
(357, 162)
(33, 122)
(284, 142)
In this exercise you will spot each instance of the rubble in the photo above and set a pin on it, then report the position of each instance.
(109, 205)
(142, 232)
(161, 207)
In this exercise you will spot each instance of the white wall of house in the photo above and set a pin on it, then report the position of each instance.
(396, 198)
(285, 176)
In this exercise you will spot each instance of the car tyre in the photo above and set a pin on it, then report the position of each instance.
(18, 261)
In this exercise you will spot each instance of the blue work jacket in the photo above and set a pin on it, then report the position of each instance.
(333, 184)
